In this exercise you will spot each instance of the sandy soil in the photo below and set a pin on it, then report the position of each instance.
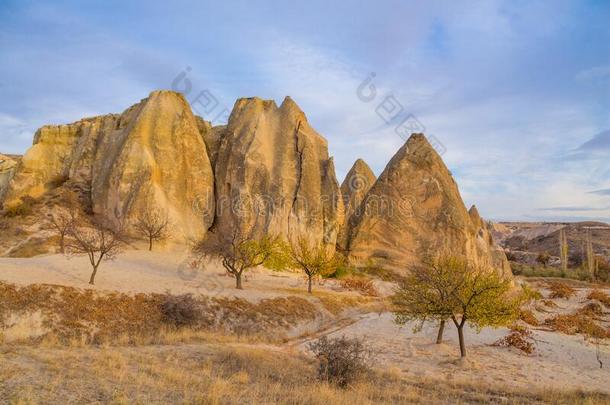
(154, 272)
(560, 362)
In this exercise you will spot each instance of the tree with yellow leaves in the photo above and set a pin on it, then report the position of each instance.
(314, 259)
(449, 287)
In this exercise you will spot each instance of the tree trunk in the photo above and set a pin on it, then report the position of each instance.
(441, 328)
(150, 244)
(238, 281)
(461, 338)
(62, 249)
(309, 284)
(92, 279)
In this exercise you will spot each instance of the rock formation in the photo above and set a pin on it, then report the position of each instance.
(356, 184)
(267, 172)
(414, 206)
(7, 170)
(150, 157)
(274, 176)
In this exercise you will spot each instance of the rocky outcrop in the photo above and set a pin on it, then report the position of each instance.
(150, 157)
(7, 170)
(274, 176)
(356, 184)
(211, 136)
(414, 207)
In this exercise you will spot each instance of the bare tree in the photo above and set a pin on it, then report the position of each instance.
(153, 225)
(97, 241)
(313, 259)
(61, 221)
(239, 253)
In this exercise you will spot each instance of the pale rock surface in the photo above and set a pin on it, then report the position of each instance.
(274, 176)
(356, 184)
(152, 156)
(415, 206)
(7, 170)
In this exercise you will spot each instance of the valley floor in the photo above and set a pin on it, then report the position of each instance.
(410, 368)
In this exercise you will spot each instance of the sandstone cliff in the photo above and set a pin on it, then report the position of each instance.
(150, 157)
(356, 184)
(415, 206)
(274, 176)
(7, 170)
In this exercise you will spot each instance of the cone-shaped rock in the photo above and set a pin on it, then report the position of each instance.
(274, 176)
(476, 219)
(413, 206)
(150, 157)
(356, 184)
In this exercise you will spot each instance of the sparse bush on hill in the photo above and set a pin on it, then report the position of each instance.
(341, 360)
(181, 310)
(600, 296)
(362, 285)
(528, 317)
(23, 208)
(577, 322)
(520, 338)
(561, 290)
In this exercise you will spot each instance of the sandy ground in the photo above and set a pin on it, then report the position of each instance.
(561, 361)
(154, 272)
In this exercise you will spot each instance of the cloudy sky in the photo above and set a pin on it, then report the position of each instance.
(515, 93)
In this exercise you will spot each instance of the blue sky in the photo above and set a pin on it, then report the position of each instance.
(516, 92)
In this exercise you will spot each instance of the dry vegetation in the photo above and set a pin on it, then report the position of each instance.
(600, 296)
(69, 314)
(360, 284)
(561, 290)
(224, 374)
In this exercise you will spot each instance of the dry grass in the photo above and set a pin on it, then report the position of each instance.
(578, 322)
(213, 374)
(520, 338)
(527, 316)
(600, 296)
(561, 290)
(364, 286)
(71, 315)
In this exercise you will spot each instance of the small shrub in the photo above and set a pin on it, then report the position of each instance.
(520, 338)
(600, 296)
(577, 322)
(181, 310)
(362, 285)
(528, 317)
(341, 360)
(592, 309)
(561, 290)
(531, 294)
(23, 208)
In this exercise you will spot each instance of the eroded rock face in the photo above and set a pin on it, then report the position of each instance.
(7, 170)
(152, 156)
(274, 175)
(356, 184)
(413, 207)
